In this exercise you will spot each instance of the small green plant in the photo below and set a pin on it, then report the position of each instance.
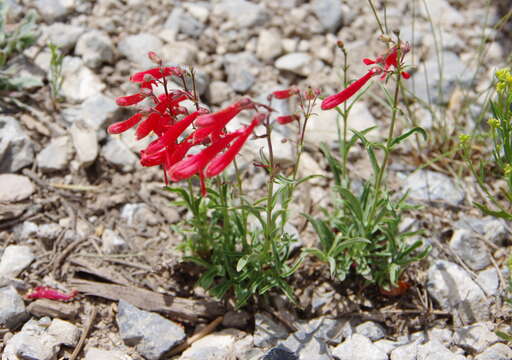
(13, 40)
(55, 72)
(362, 233)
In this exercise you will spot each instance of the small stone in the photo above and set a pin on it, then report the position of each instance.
(138, 214)
(489, 280)
(280, 353)
(96, 48)
(218, 92)
(151, 334)
(180, 21)
(236, 319)
(112, 242)
(63, 35)
(476, 337)
(433, 187)
(269, 44)
(296, 62)
(136, 47)
(16, 148)
(119, 154)
(79, 82)
(12, 308)
(96, 111)
(470, 249)
(51, 10)
(452, 287)
(358, 347)
(329, 13)
(496, 352)
(14, 188)
(434, 350)
(200, 10)
(267, 331)
(15, 259)
(371, 330)
(406, 352)
(494, 230)
(243, 13)
(306, 346)
(388, 346)
(440, 12)
(64, 332)
(45, 307)
(180, 53)
(217, 346)
(56, 155)
(238, 68)
(85, 140)
(99, 354)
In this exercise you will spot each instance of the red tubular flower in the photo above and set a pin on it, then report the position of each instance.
(44, 292)
(285, 94)
(336, 99)
(194, 164)
(148, 125)
(156, 73)
(130, 99)
(218, 164)
(224, 115)
(122, 126)
(285, 119)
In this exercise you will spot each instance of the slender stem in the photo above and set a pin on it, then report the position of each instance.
(376, 16)
(270, 187)
(345, 117)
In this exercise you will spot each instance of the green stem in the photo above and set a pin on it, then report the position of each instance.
(376, 16)
(270, 189)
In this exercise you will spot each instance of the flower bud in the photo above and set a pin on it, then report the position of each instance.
(340, 44)
(154, 58)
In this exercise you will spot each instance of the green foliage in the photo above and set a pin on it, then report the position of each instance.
(231, 242)
(55, 72)
(362, 233)
(13, 40)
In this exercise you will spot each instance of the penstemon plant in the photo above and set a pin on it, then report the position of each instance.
(361, 233)
(241, 243)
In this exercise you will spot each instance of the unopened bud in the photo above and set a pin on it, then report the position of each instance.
(384, 38)
(154, 58)
(396, 32)
(340, 44)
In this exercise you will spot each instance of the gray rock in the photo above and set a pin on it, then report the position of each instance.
(454, 290)
(238, 68)
(296, 62)
(99, 354)
(492, 229)
(218, 92)
(243, 13)
(434, 350)
(331, 330)
(476, 337)
(180, 21)
(12, 308)
(236, 319)
(309, 342)
(151, 334)
(63, 35)
(119, 154)
(136, 47)
(96, 111)
(14, 188)
(16, 148)
(51, 10)
(15, 259)
(429, 186)
(280, 353)
(79, 82)
(199, 10)
(371, 330)
(406, 352)
(441, 13)
(388, 346)
(180, 53)
(112, 242)
(269, 44)
(96, 48)
(329, 13)
(56, 155)
(489, 281)
(267, 332)
(496, 352)
(358, 347)
(433, 84)
(85, 141)
(470, 249)
(216, 346)
(64, 332)
(138, 214)
(32, 342)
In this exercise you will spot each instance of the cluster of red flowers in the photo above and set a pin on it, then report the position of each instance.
(381, 65)
(169, 121)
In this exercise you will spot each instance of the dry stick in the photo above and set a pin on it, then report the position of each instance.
(59, 259)
(75, 187)
(32, 175)
(205, 331)
(81, 342)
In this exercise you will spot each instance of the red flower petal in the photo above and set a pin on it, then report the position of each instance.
(285, 119)
(130, 99)
(122, 126)
(406, 75)
(223, 115)
(336, 99)
(367, 61)
(146, 126)
(285, 94)
(156, 73)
